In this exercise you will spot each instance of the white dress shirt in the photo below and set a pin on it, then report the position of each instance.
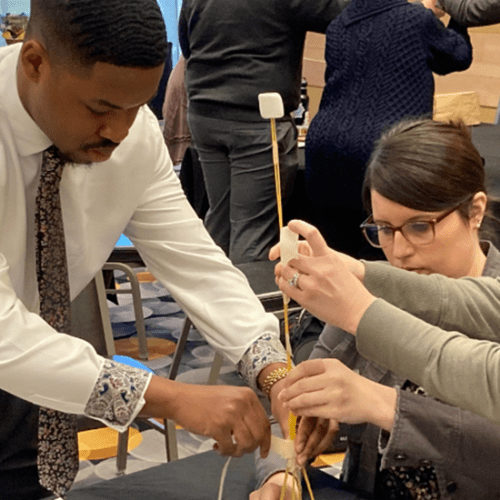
(135, 192)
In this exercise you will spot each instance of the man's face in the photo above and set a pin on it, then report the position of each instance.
(88, 114)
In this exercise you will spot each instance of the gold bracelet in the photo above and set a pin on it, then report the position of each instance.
(272, 378)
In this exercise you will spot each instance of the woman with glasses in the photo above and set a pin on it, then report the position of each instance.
(425, 190)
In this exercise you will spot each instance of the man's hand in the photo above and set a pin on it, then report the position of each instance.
(271, 489)
(233, 416)
(314, 435)
(326, 388)
(329, 283)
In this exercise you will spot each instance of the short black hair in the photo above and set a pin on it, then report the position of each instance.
(127, 33)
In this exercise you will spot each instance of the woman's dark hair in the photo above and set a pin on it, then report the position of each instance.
(426, 165)
(129, 33)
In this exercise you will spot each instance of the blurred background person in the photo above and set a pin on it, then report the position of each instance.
(468, 12)
(380, 58)
(176, 128)
(235, 50)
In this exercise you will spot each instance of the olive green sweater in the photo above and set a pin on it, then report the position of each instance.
(397, 331)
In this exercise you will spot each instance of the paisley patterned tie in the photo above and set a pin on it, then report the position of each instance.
(57, 435)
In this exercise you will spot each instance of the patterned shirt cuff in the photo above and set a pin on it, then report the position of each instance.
(117, 396)
(266, 350)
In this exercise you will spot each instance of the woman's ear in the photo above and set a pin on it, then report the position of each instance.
(478, 209)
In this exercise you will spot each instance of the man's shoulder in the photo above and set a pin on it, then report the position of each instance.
(9, 51)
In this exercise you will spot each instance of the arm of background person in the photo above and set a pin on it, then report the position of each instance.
(471, 12)
(314, 16)
(449, 48)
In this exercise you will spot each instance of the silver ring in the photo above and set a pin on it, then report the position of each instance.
(295, 280)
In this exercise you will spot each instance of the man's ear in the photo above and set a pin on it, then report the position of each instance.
(34, 60)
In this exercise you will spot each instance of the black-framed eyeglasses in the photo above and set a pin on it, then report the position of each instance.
(420, 232)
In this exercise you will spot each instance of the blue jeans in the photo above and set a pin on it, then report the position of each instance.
(236, 159)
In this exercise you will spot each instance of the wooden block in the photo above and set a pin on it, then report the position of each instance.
(459, 105)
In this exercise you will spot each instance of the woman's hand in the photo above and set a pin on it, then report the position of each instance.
(329, 283)
(313, 436)
(326, 388)
(313, 237)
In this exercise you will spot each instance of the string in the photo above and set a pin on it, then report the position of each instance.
(223, 478)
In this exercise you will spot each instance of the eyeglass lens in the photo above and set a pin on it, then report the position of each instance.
(418, 233)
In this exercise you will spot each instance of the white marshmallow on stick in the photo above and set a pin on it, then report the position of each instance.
(271, 107)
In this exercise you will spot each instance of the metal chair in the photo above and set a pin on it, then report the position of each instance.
(135, 290)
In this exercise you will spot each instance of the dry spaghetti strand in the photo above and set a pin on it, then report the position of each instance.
(292, 419)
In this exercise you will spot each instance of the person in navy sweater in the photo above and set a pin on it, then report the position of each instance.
(380, 58)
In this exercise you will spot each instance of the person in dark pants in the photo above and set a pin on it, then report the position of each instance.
(235, 50)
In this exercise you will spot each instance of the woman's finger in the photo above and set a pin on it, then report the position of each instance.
(311, 235)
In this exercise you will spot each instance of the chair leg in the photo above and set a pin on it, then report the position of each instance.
(106, 322)
(121, 454)
(215, 370)
(171, 440)
(179, 349)
(137, 302)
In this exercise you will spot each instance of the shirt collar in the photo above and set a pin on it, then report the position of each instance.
(28, 136)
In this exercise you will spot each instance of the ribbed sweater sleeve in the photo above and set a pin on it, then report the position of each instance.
(452, 367)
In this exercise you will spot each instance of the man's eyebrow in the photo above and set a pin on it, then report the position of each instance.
(103, 102)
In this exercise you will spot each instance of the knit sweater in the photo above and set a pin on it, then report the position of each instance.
(380, 56)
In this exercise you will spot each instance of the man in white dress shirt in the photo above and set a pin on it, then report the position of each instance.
(81, 81)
